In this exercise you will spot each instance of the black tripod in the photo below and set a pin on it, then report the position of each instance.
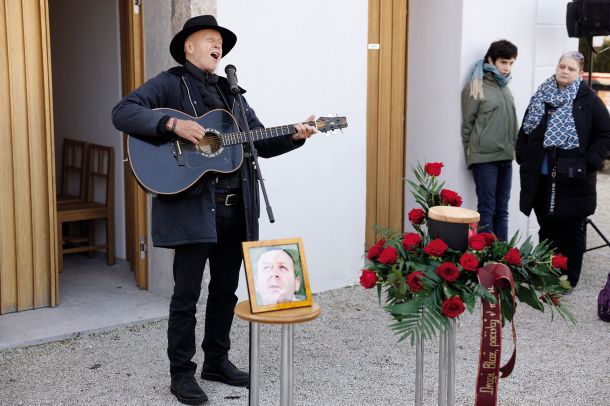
(588, 220)
(606, 242)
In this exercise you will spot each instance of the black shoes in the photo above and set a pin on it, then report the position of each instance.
(188, 391)
(225, 372)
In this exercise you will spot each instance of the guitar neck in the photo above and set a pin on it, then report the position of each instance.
(260, 134)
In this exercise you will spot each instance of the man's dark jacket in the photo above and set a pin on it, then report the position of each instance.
(574, 199)
(189, 217)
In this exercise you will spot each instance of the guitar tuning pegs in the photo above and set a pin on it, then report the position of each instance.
(331, 124)
(340, 128)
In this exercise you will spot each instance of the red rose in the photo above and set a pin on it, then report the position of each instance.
(559, 261)
(477, 242)
(414, 280)
(489, 238)
(433, 168)
(450, 198)
(448, 271)
(411, 241)
(368, 279)
(417, 216)
(513, 257)
(436, 248)
(469, 262)
(376, 249)
(453, 306)
(388, 256)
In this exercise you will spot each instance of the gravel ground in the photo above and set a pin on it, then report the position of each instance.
(347, 356)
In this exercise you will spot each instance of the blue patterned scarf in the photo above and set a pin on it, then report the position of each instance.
(560, 130)
(476, 78)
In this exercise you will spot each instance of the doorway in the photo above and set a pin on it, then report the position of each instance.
(28, 269)
(86, 76)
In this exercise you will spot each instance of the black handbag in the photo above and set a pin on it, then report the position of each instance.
(571, 169)
(564, 170)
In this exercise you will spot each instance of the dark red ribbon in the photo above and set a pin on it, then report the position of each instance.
(493, 276)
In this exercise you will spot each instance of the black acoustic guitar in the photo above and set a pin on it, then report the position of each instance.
(169, 165)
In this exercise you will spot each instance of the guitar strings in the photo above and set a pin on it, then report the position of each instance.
(239, 137)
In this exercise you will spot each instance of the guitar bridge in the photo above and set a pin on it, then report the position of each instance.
(177, 152)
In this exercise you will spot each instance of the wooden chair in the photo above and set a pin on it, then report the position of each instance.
(99, 204)
(73, 187)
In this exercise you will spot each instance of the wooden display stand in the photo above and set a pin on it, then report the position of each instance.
(287, 318)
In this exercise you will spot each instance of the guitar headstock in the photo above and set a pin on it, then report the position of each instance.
(325, 124)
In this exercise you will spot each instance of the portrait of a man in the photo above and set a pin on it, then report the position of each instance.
(277, 278)
(277, 275)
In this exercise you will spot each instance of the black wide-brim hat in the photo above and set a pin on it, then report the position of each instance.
(176, 47)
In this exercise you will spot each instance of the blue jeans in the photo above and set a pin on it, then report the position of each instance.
(493, 181)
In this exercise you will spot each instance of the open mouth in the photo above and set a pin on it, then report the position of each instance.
(215, 55)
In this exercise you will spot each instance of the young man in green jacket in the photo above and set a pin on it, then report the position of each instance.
(489, 133)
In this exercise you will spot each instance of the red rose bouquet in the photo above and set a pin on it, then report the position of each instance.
(427, 282)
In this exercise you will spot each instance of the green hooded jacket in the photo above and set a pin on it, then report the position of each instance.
(489, 125)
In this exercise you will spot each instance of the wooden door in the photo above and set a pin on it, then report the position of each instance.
(136, 200)
(28, 252)
(386, 112)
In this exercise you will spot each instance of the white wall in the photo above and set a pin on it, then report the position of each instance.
(87, 84)
(433, 91)
(295, 60)
(445, 52)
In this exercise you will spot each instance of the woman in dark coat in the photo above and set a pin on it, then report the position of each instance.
(562, 143)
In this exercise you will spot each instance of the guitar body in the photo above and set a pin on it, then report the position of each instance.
(170, 165)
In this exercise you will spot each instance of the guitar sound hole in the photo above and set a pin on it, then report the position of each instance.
(210, 145)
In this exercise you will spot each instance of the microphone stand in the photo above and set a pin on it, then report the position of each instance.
(255, 173)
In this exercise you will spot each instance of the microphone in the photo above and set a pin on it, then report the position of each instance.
(232, 78)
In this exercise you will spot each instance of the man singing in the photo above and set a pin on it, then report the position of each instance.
(212, 218)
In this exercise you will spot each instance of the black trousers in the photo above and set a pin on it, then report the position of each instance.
(189, 261)
(568, 235)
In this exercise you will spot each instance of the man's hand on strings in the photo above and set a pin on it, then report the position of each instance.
(304, 131)
(188, 129)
